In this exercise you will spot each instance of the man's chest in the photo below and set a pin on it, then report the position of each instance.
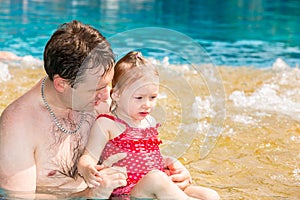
(57, 158)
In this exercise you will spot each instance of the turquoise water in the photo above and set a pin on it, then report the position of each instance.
(257, 154)
(233, 32)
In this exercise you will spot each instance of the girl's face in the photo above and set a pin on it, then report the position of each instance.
(138, 100)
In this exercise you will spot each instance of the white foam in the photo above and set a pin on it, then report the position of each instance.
(30, 62)
(202, 108)
(287, 76)
(249, 42)
(244, 119)
(12, 60)
(228, 131)
(267, 98)
(172, 68)
(296, 174)
(4, 72)
(280, 65)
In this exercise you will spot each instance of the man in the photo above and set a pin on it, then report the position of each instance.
(43, 133)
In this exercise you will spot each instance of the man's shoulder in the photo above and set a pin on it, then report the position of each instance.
(17, 114)
(19, 106)
(18, 127)
(12, 119)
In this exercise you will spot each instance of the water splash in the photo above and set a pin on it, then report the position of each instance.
(12, 60)
(280, 65)
(296, 174)
(4, 72)
(267, 98)
(277, 94)
(202, 108)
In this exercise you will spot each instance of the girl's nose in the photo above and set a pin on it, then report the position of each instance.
(147, 103)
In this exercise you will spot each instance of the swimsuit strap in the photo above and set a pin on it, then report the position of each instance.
(112, 118)
(122, 121)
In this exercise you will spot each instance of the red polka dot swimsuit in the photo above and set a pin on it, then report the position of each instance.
(143, 154)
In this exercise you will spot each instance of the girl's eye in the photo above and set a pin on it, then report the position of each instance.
(138, 97)
(153, 97)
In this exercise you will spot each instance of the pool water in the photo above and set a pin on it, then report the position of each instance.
(234, 33)
(235, 121)
(256, 154)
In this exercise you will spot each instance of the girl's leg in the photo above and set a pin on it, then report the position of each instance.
(202, 193)
(156, 184)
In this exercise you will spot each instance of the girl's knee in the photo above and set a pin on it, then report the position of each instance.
(202, 193)
(212, 195)
(158, 175)
(149, 185)
(158, 178)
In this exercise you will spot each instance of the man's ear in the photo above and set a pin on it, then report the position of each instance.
(59, 83)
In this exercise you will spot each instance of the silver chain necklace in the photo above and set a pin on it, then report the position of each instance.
(55, 118)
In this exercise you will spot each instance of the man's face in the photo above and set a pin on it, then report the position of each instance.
(93, 89)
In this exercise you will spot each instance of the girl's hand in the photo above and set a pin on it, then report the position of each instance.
(111, 178)
(178, 173)
(91, 175)
(94, 175)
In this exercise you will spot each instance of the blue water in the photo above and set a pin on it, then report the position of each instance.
(233, 32)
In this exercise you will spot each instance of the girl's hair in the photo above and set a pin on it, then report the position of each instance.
(130, 68)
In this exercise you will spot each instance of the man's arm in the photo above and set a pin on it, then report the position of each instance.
(17, 168)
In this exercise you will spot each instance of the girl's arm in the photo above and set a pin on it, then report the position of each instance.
(87, 164)
(175, 169)
(177, 172)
